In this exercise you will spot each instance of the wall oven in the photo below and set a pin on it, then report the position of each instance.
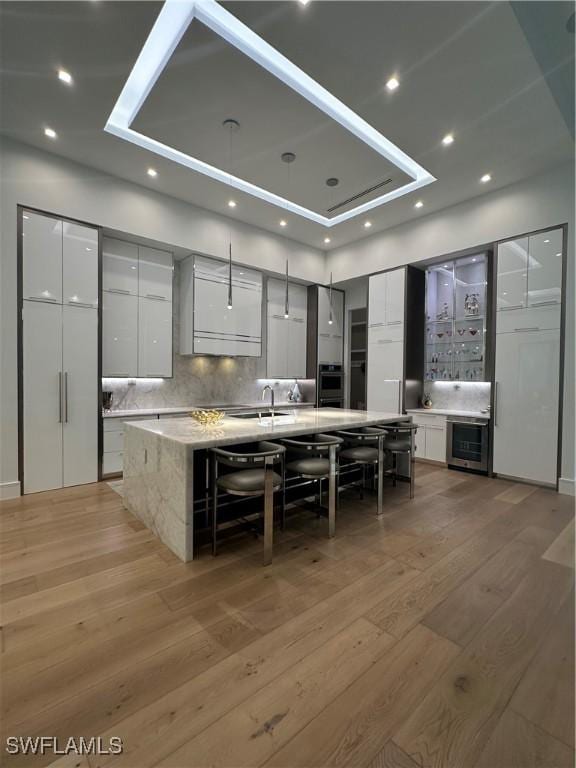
(467, 443)
(330, 386)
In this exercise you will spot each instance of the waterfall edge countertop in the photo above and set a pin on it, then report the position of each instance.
(289, 422)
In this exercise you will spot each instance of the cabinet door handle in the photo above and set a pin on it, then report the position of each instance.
(155, 296)
(395, 322)
(535, 328)
(60, 397)
(42, 298)
(81, 304)
(66, 397)
(324, 335)
(514, 306)
(156, 375)
(543, 303)
(118, 290)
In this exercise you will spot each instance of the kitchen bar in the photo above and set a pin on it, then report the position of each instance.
(159, 465)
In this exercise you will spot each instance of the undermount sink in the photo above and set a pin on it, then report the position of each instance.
(258, 415)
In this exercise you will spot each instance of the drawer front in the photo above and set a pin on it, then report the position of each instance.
(112, 424)
(114, 441)
(430, 419)
(112, 462)
(533, 319)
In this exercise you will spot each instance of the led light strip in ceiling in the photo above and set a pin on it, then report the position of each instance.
(171, 24)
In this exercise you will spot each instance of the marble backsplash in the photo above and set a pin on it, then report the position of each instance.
(200, 381)
(462, 395)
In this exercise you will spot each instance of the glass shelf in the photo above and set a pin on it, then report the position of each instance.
(455, 341)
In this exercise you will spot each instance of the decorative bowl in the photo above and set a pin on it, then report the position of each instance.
(207, 417)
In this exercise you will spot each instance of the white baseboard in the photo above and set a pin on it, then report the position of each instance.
(566, 486)
(10, 490)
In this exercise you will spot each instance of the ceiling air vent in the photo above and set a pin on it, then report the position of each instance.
(359, 195)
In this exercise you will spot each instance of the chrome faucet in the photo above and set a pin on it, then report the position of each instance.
(272, 394)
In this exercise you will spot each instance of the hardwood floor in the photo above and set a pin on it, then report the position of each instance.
(441, 636)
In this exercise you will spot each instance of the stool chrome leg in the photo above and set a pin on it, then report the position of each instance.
(380, 507)
(268, 511)
(214, 505)
(332, 492)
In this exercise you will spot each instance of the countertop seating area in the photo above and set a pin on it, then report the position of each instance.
(343, 652)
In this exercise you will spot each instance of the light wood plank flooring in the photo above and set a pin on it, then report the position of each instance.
(441, 636)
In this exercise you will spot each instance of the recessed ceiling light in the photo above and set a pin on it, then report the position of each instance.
(65, 77)
(231, 204)
(283, 223)
(152, 172)
(367, 224)
(50, 132)
(448, 139)
(486, 178)
(392, 84)
(327, 240)
(419, 204)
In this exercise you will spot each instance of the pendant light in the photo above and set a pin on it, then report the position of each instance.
(330, 318)
(232, 126)
(331, 183)
(287, 296)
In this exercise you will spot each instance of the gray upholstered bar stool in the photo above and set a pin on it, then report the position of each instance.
(255, 476)
(399, 441)
(315, 458)
(364, 446)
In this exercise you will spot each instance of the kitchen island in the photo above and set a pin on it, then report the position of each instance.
(159, 460)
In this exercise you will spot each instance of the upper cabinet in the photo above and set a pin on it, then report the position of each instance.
(119, 267)
(137, 310)
(60, 261)
(286, 338)
(155, 274)
(386, 298)
(530, 271)
(42, 258)
(208, 325)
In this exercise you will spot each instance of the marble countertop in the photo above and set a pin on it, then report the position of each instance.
(230, 431)
(187, 408)
(448, 412)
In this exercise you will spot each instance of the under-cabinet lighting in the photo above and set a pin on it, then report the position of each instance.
(131, 379)
(167, 32)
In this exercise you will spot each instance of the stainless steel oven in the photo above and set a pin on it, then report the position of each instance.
(467, 443)
(330, 386)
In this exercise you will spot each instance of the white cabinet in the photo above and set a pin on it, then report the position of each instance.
(119, 266)
(208, 327)
(113, 455)
(545, 273)
(119, 334)
(526, 405)
(42, 258)
(330, 334)
(42, 395)
(286, 339)
(430, 438)
(155, 273)
(154, 338)
(60, 404)
(527, 362)
(385, 379)
(137, 310)
(80, 395)
(79, 265)
(530, 271)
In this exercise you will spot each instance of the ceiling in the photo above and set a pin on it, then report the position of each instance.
(463, 67)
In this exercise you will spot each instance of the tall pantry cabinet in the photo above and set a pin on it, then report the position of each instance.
(527, 377)
(59, 353)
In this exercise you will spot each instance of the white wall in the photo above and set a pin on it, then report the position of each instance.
(542, 201)
(41, 180)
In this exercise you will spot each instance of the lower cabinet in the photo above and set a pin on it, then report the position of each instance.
(113, 456)
(431, 437)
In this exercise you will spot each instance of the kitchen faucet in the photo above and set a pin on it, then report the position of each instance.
(272, 394)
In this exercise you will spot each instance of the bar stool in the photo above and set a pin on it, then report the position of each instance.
(255, 476)
(365, 447)
(400, 441)
(315, 459)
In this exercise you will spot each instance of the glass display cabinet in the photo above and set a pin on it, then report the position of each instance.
(456, 320)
